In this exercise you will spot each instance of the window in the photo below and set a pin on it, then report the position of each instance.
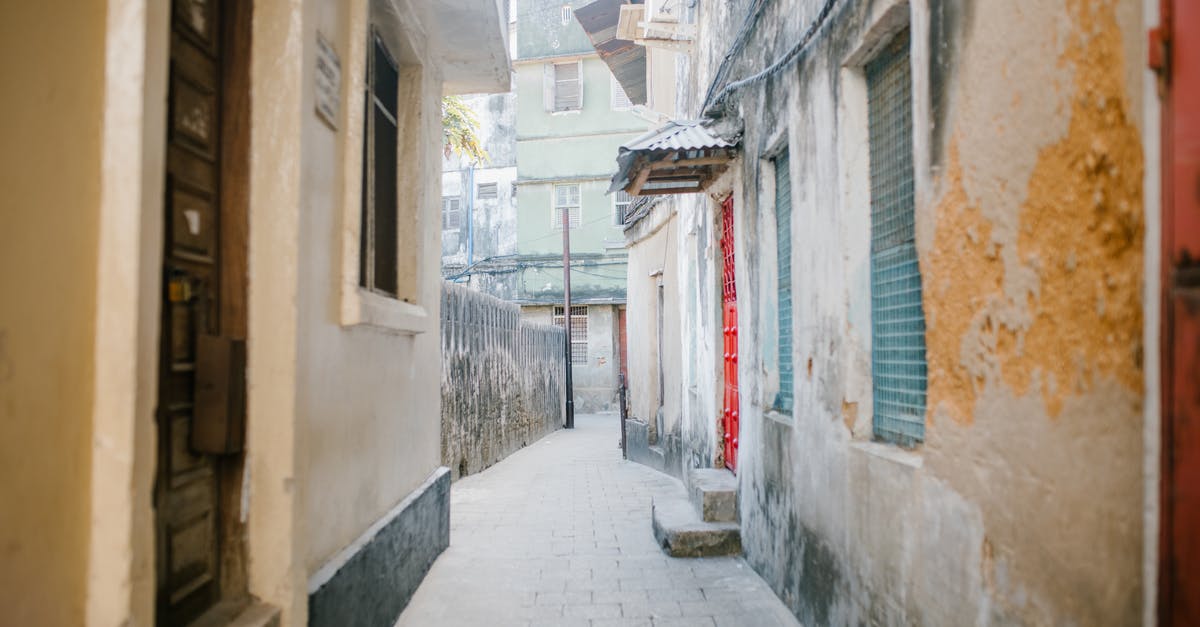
(486, 191)
(564, 86)
(621, 202)
(566, 14)
(566, 197)
(783, 286)
(620, 101)
(451, 213)
(898, 367)
(378, 236)
(579, 331)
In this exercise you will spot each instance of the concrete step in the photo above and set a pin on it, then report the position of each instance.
(680, 532)
(239, 614)
(658, 458)
(714, 494)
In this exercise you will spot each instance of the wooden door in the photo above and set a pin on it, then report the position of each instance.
(1178, 60)
(730, 334)
(187, 491)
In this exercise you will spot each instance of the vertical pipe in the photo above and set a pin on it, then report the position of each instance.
(470, 216)
(566, 230)
(623, 413)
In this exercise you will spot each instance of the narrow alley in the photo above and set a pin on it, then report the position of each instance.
(462, 313)
(559, 534)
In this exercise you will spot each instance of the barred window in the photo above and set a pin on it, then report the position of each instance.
(898, 365)
(783, 287)
(579, 331)
(486, 191)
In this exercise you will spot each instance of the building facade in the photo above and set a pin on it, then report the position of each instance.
(217, 399)
(550, 144)
(918, 312)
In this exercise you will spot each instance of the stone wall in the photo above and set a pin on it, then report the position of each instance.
(502, 379)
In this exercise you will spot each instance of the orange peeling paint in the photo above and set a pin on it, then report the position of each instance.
(1078, 322)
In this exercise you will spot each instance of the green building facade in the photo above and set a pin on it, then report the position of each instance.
(571, 118)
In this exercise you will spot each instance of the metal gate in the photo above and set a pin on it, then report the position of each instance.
(729, 318)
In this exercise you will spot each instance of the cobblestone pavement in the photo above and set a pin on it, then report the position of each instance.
(559, 534)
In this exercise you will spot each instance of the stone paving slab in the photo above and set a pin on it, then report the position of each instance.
(559, 534)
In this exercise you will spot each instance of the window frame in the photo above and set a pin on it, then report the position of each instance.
(372, 239)
(578, 312)
(457, 212)
(619, 215)
(575, 217)
(491, 185)
(555, 83)
(784, 399)
(404, 313)
(885, 243)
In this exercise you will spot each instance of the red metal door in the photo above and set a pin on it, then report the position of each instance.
(729, 318)
(1175, 52)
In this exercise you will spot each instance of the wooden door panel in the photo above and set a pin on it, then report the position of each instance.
(187, 493)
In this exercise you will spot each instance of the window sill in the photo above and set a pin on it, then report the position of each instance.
(889, 452)
(778, 416)
(567, 112)
(362, 307)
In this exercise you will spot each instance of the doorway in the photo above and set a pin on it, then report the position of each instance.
(729, 322)
(201, 385)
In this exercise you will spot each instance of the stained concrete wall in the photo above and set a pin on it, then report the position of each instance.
(502, 379)
(1024, 503)
(655, 365)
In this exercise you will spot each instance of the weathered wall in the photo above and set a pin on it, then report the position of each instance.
(502, 379)
(51, 172)
(1023, 505)
(653, 261)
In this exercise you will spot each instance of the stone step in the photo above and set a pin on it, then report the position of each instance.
(680, 532)
(714, 494)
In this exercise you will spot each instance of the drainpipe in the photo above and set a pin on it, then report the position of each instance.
(470, 215)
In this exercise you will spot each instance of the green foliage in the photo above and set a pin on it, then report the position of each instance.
(460, 131)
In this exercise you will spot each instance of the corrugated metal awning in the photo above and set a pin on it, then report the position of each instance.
(625, 59)
(679, 158)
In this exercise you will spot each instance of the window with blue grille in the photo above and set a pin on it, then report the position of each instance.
(783, 259)
(898, 366)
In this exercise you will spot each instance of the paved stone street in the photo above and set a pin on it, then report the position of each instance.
(559, 534)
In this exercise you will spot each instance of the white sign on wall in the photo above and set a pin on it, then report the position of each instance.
(328, 83)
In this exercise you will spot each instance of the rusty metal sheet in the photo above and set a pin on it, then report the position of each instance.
(625, 59)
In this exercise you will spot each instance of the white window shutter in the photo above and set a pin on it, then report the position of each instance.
(548, 86)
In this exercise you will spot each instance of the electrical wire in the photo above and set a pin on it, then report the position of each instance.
(791, 55)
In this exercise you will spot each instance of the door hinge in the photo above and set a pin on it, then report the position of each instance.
(1158, 51)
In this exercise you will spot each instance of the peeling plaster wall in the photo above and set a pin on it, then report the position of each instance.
(502, 380)
(652, 242)
(1024, 503)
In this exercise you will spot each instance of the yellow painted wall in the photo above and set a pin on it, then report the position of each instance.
(50, 121)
